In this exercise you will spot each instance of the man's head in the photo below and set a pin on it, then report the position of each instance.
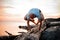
(32, 16)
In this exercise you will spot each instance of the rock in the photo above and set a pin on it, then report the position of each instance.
(27, 36)
(25, 27)
(7, 37)
(51, 33)
(52, 22)
(52, 30)
(34, 34)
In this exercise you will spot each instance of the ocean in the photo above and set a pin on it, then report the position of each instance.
(11, 27)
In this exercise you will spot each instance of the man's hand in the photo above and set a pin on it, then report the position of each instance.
(32, 20)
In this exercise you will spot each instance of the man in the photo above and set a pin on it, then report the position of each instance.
(33, 13)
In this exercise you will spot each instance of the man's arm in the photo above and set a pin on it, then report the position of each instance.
(40, 23)
(32, 20)
(37, 22)
(28, 23)
(29, 28)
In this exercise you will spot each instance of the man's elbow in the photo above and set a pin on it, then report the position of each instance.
(25, 18)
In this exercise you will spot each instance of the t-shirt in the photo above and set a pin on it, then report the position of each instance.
(34, 11)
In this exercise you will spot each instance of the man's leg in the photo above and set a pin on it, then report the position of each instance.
(40, 25)
(41, 20)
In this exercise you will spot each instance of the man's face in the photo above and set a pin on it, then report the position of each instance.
(32, 16)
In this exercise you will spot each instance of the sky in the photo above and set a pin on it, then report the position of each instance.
(15, 10)
(20, 7)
